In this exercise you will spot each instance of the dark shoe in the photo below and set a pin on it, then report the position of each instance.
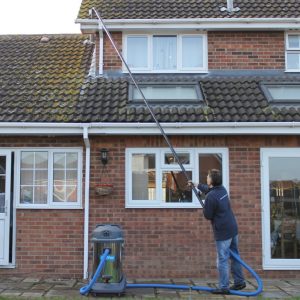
(237, 287)
(221, 291)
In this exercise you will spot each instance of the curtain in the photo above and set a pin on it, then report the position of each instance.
(164, 52)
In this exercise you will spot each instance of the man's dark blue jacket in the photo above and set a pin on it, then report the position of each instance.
(217, 209)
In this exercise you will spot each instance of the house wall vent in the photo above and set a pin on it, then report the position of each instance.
(230, 7)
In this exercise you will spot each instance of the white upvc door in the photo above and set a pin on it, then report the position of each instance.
(5, 173)
(280, 176)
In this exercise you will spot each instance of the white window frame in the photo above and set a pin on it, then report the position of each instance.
(50, 204)
(291, 50)
(179, 69)
(268, 262)
(161, 166)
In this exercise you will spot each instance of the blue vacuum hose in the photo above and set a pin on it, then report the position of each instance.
(208, 289)
(85, 289)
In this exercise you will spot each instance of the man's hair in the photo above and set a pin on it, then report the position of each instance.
(216, 177)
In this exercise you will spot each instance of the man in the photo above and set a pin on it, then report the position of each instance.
(217, 209)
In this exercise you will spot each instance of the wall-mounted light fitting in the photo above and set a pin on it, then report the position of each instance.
(104, 155)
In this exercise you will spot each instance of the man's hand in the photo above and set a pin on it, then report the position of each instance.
(191, 183)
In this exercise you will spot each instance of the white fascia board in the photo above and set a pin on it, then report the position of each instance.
(51, 129)
(229, 128)
(204, 24)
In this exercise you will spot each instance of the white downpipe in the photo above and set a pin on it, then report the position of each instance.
(100, 51)
(86, 203)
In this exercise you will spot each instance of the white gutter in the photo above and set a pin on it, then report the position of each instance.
(86, 203)
(213, 128)
(196, 23)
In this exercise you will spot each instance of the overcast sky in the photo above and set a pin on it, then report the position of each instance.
(38, 16)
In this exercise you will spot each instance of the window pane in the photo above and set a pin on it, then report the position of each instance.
(59, 177)
(184, 158)
(206, 163)
(2, 164)
(27, 177)
(293, 41)
(72, 160)
(27, 159)
(137, 52)
(167, 92)
(59, 193)
(284, 175)
(41, 160)
(293, 60)
(26, 195)
(192, 52)
(2, 184)
(175, 187)
(71, 193)
(40, 194)
(2, 202)
(41, 177)
(65, 177)
(34, 177)
(164, 52)
(143, 177)
(71, 177)
(59, 160)
(284, 93)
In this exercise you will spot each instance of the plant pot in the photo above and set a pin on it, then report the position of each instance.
(103, 189)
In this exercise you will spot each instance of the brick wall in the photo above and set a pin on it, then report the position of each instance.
(111, 61)
(226, 50)
(179, 242)
(49, 242)
(246, 50)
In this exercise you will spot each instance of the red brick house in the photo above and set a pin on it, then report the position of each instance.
(222, 77)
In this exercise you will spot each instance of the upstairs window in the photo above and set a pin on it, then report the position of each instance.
(282, 93)
(162, 93)
(293, 52)
(166, 53)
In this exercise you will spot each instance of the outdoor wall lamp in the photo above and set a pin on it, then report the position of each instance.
(104, 156)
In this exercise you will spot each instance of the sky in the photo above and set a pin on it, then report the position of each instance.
(38, 16)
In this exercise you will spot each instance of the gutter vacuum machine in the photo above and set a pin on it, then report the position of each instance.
(108, 239)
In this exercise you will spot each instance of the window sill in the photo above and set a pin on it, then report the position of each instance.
(166, 72)
(9, 266)
(50, 207)
(292, 71)
(295, 266)
(179, 206)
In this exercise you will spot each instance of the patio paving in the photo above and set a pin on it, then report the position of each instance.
(30, 288)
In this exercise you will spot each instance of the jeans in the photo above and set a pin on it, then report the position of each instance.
(223, 266)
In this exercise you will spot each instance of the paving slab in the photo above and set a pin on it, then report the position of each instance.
(42, 286)
(275, 295)
(31, 280)
(32, 294)
(64, 293)
(11, 293)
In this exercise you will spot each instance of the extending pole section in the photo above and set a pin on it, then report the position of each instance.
(147, 105)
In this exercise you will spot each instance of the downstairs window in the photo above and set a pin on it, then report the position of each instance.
(48, 178)
(154, 179)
